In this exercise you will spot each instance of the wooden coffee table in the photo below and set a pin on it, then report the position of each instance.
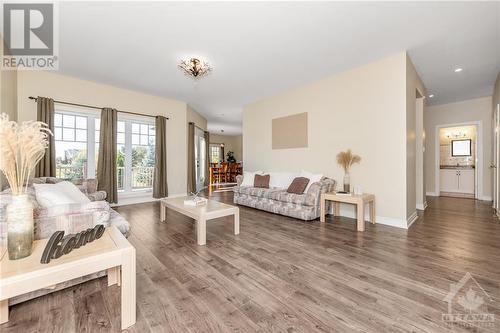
(211, 210)
(111, 252)
(358, 200)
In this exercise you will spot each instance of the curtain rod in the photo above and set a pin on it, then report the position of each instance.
(96, 107)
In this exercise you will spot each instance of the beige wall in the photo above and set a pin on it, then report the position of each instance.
(362, 109)
(478, 109)
(65, 88)
(496, 92)
(231, 143)
(414, 87)
(8, 102)
(196, 118)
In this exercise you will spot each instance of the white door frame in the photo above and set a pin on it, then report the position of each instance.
(478, 175)
(198, 160)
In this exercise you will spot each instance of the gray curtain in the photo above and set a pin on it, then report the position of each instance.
(207, 158)
(45, 113)
(191, 180)
(160, 186)
(106, 161)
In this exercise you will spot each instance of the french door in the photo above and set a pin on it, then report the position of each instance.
(200, 159)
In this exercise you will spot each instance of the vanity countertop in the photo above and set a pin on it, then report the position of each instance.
(457, 167)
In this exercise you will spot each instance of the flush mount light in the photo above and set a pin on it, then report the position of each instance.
(431, 95)
(457, 70)
(195, 68)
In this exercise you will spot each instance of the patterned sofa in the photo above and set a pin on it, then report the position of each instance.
(45, 219)
(276, 200)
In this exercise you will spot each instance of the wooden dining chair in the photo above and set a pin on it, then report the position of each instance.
(233, 171)
(223, 172)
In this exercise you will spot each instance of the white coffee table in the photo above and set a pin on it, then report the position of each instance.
(111, 252)
(211, 210)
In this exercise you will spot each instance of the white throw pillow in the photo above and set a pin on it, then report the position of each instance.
(281, 179)
(248, 177)
(48, 195)
(73, 192)
(313, 178)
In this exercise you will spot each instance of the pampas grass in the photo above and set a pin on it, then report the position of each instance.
(346, 159)
(21, 148)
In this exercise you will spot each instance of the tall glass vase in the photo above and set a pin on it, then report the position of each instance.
(347, 182)
(20, 226)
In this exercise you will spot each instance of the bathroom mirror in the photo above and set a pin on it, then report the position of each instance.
(461, 147)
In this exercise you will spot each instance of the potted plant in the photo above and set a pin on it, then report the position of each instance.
(21, 148)
(346, 159)
(230, 157)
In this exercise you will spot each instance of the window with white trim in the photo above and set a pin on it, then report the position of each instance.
(77, 132)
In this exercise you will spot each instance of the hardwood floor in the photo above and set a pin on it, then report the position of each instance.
(285, 275)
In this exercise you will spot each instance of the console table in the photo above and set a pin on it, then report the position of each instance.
(358, 200)
(111, 252)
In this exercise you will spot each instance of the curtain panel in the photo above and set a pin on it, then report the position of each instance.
(160, 185)
(45, 113)
(207, 158)
(191, 181)
(106, 161)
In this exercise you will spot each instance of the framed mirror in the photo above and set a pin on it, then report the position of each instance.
(461, 148)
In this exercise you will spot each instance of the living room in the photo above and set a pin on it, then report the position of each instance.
(261, 166)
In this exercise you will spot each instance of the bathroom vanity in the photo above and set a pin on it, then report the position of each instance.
(457, 179)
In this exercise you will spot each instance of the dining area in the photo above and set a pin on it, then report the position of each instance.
(224, 172)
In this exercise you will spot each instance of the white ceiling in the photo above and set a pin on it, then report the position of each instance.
(259, 49)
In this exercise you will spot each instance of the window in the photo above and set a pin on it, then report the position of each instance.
(77, 132)
(216, 153)
(71, 139)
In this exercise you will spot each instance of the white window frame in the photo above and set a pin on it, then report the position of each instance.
(91, 115)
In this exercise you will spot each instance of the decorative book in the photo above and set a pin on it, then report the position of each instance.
(196, 201)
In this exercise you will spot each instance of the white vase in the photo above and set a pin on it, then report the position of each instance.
(20, 232)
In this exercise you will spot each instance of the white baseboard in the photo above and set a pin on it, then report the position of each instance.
(413, 217)
(390, 221)
(432, 194)
(422, 206)
(485, 198)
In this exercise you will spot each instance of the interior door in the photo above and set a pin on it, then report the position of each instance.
(200, 158)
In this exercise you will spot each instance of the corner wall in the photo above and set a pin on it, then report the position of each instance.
(414, 158)
(363, 109)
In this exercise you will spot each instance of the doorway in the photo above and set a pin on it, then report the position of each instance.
(200, 159)
(459, 160)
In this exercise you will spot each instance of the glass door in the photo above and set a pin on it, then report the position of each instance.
(200, 158)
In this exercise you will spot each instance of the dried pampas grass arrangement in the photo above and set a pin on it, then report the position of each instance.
(21, 148)
(346, 159)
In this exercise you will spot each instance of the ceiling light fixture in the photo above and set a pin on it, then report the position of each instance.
(195, 68)
(431, 95)
(457, 70)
